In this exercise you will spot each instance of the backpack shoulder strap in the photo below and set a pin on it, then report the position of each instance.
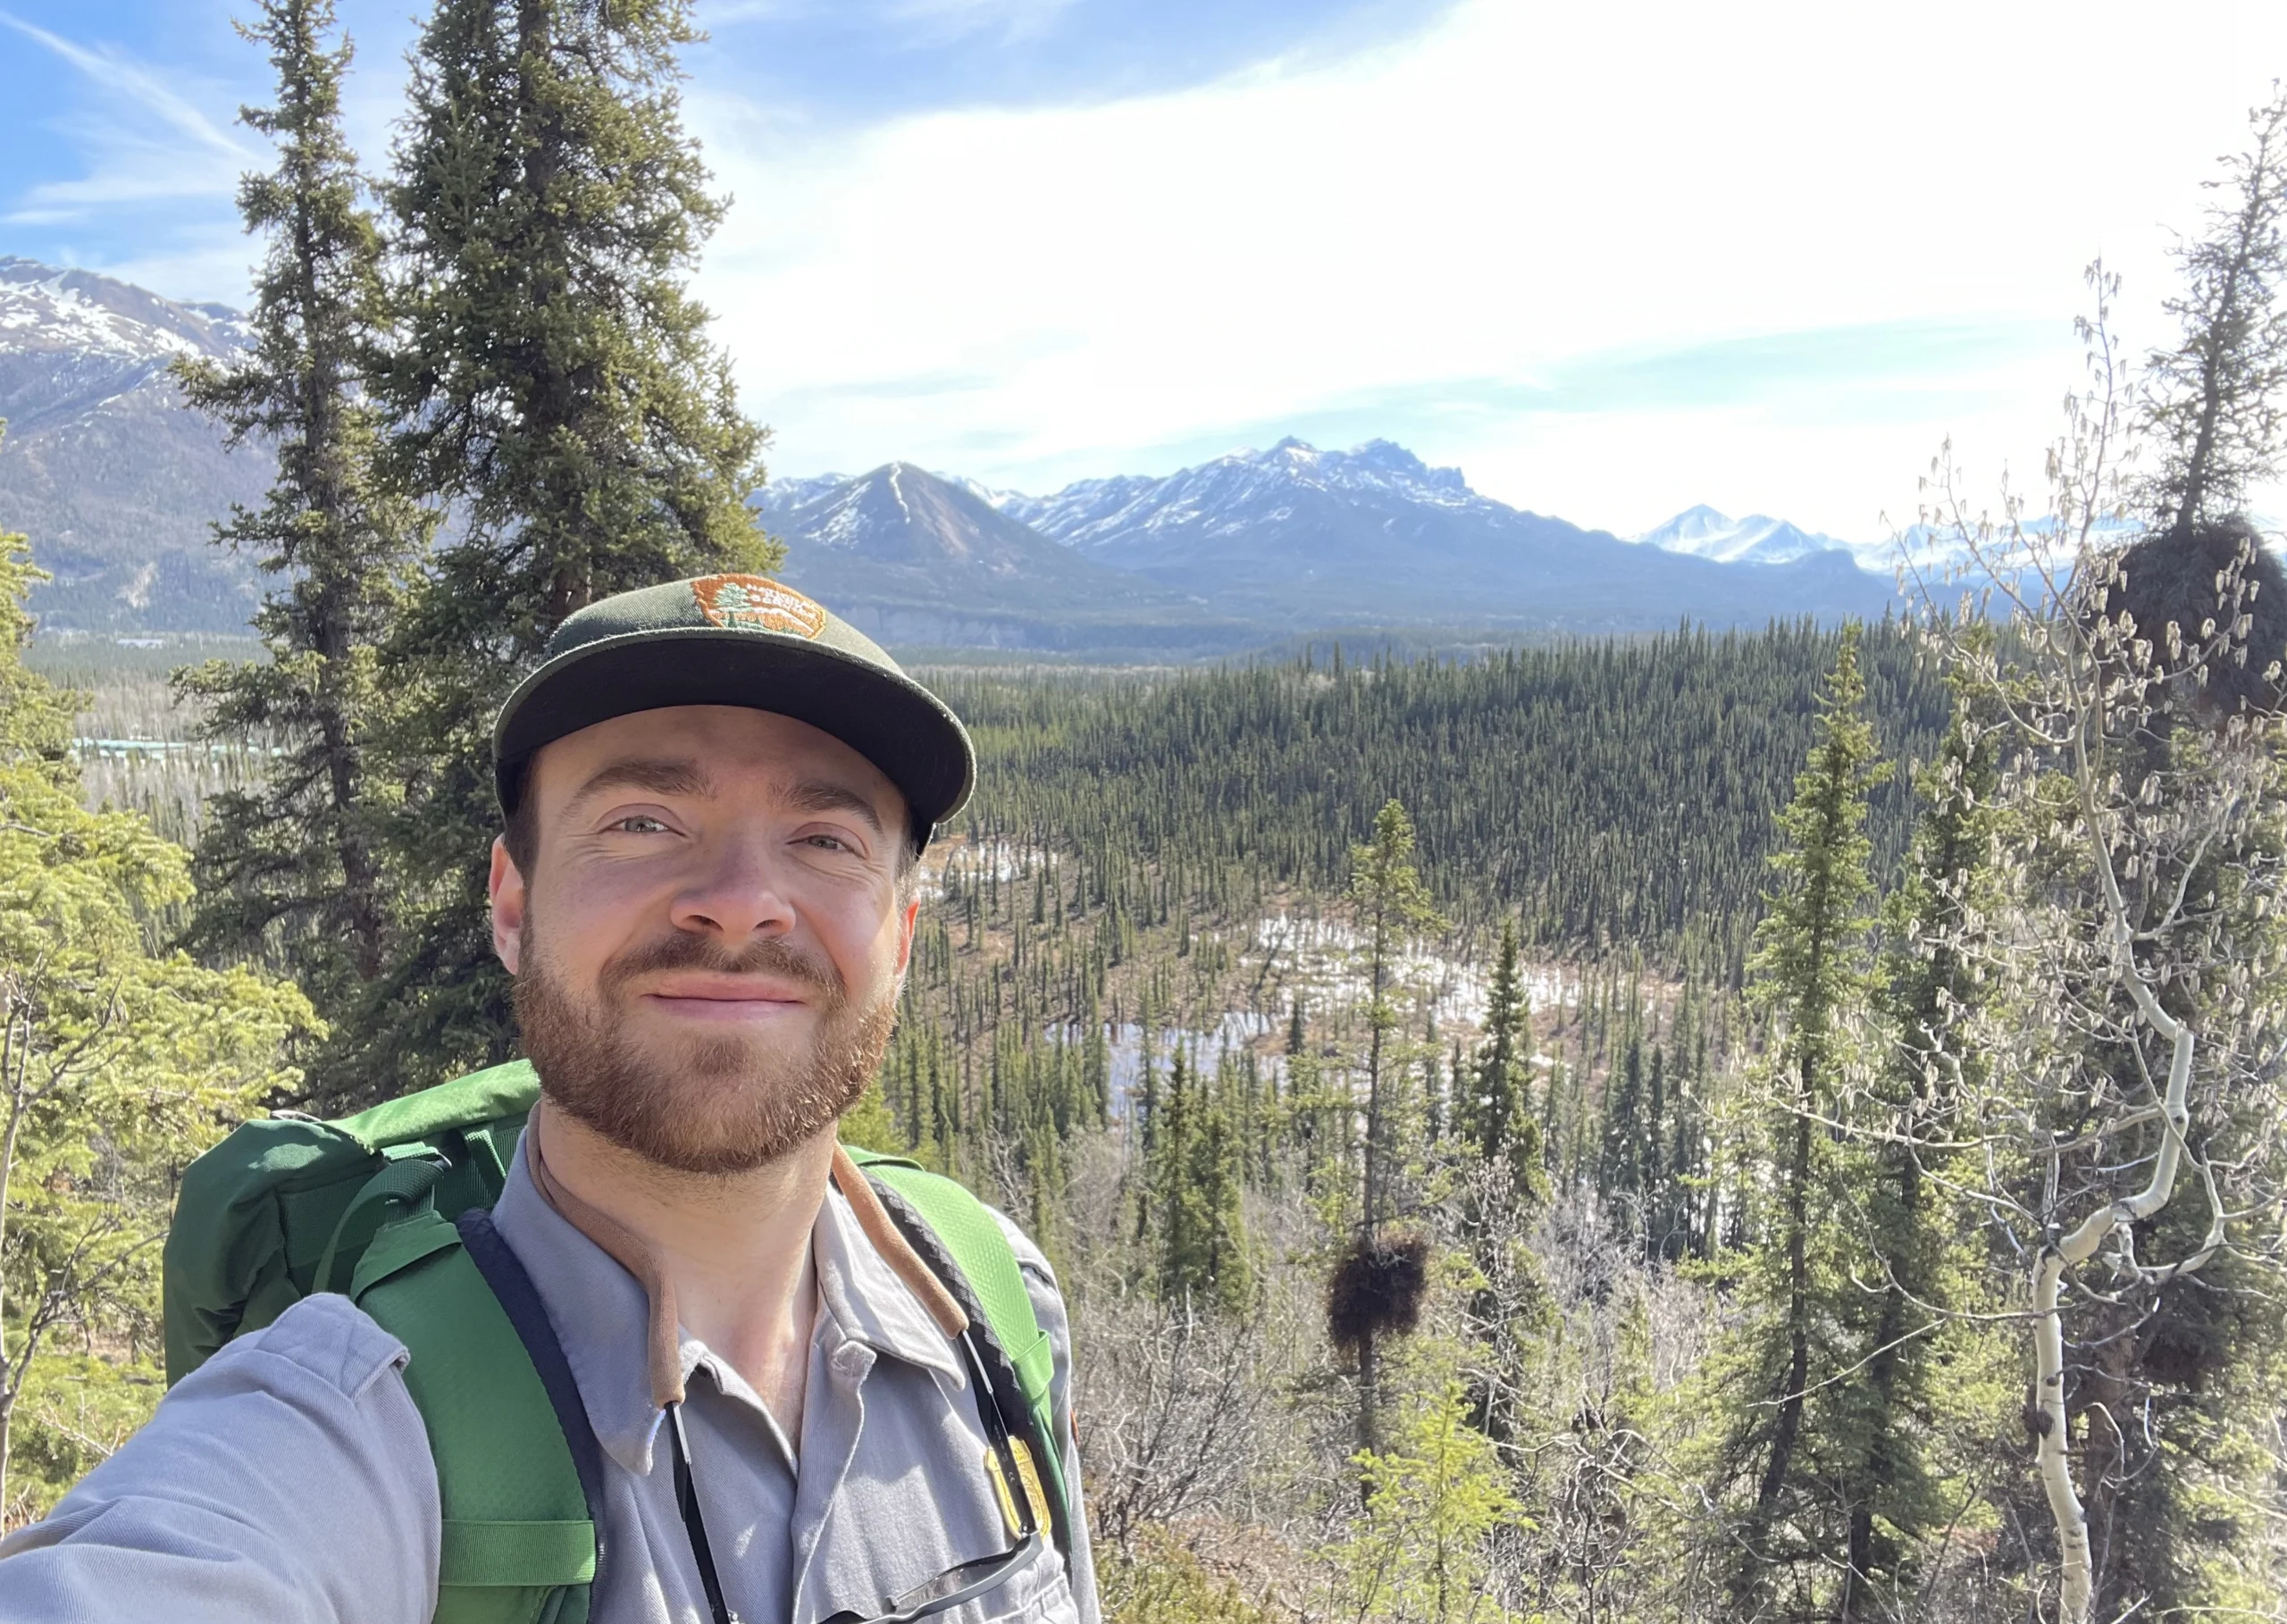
(962, 1241)
(518, 1481)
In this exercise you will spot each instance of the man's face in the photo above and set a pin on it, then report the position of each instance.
(709, 948)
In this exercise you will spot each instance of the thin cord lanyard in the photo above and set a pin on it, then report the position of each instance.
(694, 1525)
(1028, 1545)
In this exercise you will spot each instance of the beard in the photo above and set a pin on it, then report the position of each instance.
(715, 1105)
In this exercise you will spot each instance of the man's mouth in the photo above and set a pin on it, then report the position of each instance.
(724, 1000)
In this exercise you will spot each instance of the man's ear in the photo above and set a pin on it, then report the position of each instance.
(506, 885)
(905, 938)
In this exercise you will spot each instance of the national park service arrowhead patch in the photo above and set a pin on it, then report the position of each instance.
(757, 603)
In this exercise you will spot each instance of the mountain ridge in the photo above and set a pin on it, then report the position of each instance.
(100, 452)
(118, 484)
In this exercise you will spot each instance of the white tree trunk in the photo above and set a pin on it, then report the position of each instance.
(2053, 1455)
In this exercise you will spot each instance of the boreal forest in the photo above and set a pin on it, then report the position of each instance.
(1755, 1126)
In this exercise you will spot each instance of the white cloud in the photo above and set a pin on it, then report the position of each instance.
(147, 147)
(1085, 290)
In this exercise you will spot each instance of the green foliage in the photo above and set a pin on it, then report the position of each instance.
(1497, 1119)
(1614, 794)
(554, 386)
(1196, 1175)
(1902, 1483)
(1393, 908)
(291, 866)
(1416, 1555)
(1781, 1378)
(2216, 404)
(1168, 1583)
(118, 1063)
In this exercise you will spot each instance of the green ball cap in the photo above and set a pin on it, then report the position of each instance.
(739, 640)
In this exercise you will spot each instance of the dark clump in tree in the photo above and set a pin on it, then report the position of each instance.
(1393, 905)
(2184, 589)
(293, 866)
(2200, 585)
(2216, 405)
(1377, 1289)
(556, 386)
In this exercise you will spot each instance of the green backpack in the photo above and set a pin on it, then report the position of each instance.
(392, 1207)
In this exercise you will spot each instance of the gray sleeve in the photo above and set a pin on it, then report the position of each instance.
(286, 1481)
(1048, 1308)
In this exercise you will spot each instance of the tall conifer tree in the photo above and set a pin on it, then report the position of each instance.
(1928, 981)
(1392, 906)
(556, 387)
(294, 863)
(1498, 1109)
(1788, 1424)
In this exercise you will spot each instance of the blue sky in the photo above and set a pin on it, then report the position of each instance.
(1610, 260)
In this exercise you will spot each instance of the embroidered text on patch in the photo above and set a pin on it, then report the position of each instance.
(756, 602)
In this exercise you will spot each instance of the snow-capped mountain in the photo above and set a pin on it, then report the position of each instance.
(1932, 554)
(1226, 496)
(782, 496)
(917, 559)
(116, 483)
(1702, 532)
(1298, 537)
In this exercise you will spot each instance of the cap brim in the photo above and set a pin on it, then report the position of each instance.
(893, 722)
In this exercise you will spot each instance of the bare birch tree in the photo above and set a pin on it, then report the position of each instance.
(2127, 1114)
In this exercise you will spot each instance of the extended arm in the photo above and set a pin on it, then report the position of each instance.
(288, 1480)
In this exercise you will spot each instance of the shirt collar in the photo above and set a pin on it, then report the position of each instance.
(868, 1299)
(605, 1318)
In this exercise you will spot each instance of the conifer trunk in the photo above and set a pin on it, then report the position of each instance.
(1790, 1423)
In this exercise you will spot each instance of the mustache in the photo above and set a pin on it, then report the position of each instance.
(687, 950)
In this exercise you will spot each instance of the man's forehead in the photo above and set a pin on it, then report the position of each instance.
(716, 745)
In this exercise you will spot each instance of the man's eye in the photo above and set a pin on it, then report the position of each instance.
(638, 823)
(831, 843)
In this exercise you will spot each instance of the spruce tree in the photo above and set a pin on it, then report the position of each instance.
(1497, 1107)
(1619, 1160)
(2215, 407)
(555, 384)
(1787, 1424)
(292, 865)
(1929, 984)
(1392, 906)
(1199, 1175)
(117, 1063)
(1218, 1176)
(1172, 1208)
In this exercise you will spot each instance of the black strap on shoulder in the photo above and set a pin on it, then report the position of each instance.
(1007, 1394)
(504, 1272)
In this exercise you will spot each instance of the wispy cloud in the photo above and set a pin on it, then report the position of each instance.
(1612, 261)
(143, 140)
(141, 87)
(853, 62)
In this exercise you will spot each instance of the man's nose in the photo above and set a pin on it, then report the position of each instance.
(737, 892)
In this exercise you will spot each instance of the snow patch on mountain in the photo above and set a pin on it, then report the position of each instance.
(77, 312)
(1235, 490)
(1703, 532)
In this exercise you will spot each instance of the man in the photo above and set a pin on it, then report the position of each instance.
(716, 794)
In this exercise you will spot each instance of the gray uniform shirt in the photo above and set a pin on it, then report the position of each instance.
(289, 1478)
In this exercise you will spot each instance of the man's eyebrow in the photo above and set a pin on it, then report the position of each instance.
(819, 795)
(659, 777)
